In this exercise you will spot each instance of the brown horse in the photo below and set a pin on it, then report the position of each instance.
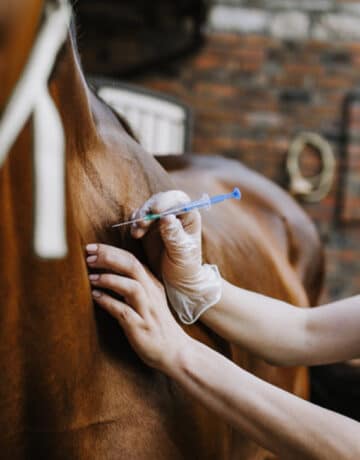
(71, 387)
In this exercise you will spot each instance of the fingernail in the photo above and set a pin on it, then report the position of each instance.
(136, 233)
(92, 247)
(94, 277)
(91, 259)
(96, 294)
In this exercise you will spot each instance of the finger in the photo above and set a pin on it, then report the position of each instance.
(131, 290)
(117, 260)
(157, 204)
(191, 221)
(138, 229)
(127, 317)
(176, 241)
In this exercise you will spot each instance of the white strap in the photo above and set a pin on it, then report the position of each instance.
(49, 171)
(31, 95)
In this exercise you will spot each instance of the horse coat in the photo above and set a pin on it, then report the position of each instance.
(71, 387)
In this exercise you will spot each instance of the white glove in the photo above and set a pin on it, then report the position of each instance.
(192, 288)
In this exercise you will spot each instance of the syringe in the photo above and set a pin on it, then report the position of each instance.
(204, 202)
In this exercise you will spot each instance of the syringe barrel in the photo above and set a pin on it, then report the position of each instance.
(220, 198)
(204, 202)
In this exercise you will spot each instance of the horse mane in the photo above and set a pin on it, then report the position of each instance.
(73, 32)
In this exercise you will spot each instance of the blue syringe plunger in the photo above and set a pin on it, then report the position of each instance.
(236, 193)
(219, 198)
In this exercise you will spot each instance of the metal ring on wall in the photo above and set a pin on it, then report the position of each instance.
(315, 188)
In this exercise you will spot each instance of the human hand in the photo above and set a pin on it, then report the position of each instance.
(182, 257)
(144, 315)
(191, 286)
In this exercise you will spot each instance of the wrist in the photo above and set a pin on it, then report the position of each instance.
(176, 362)
(171, 354)
(191, 298)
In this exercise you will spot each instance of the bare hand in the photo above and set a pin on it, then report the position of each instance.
(144, 315)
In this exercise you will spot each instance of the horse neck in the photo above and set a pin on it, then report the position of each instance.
(72, 97)
(108, 173)
(84, 143)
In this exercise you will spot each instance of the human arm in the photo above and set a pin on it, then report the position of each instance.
(282, 423)
(284, 335)
(279, 421)
(271, 329)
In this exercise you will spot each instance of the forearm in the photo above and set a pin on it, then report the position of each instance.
(271, 329)
(284, 335)
(278, 421)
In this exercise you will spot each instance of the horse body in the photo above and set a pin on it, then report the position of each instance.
(71, 387)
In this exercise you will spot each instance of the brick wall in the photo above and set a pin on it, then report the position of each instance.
(289, 19)
(268, 76)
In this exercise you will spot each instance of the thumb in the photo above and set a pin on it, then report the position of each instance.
(176, 241)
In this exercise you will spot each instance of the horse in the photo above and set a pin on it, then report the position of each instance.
(71, 387)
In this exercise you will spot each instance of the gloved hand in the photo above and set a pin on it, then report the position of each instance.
(192, 287)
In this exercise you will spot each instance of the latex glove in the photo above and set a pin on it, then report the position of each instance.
(191, 287)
